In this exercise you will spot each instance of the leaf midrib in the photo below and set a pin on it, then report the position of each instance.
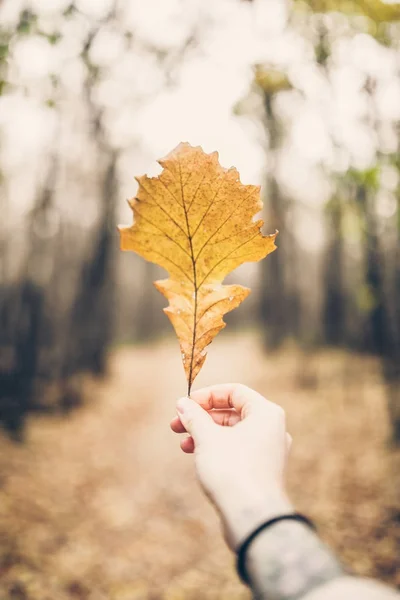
(194, 282)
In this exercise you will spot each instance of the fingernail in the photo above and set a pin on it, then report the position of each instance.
(181, 405)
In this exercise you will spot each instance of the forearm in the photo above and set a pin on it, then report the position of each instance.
(285, 561)
(288, 561)
(352, 588)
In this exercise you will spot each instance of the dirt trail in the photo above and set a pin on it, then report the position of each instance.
(103, 505)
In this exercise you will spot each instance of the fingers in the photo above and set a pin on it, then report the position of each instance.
(177, 426)
(230, 395)
(187, 445)
(226, 418)
(225, 405)
(221, 418)
(195, 419)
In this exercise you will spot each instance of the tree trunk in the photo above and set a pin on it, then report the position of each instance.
(92, 313)
(273, 299)
(382, 335)
(334, 301)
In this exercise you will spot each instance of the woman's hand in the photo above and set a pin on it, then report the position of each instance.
(240, 444)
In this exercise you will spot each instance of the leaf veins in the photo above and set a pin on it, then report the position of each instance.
(196, 220)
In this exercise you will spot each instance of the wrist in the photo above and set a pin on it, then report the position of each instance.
(243, 512)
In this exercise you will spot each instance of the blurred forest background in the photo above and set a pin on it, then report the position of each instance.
(303, 97)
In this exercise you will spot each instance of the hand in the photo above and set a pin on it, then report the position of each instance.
(240, 445)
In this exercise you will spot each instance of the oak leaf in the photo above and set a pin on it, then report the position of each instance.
(196, 221)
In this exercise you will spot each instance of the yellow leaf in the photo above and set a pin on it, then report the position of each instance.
(196, 220)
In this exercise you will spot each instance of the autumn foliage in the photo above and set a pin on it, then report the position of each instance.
(196, 219)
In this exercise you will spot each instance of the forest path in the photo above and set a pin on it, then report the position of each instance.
(103, 505)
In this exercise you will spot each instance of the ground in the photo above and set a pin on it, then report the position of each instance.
(102, 504)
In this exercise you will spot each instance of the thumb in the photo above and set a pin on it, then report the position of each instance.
(195, 419)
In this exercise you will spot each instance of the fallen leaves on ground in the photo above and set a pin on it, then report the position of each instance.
(103, 505)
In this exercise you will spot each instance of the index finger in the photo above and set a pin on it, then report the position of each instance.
(230, 395)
